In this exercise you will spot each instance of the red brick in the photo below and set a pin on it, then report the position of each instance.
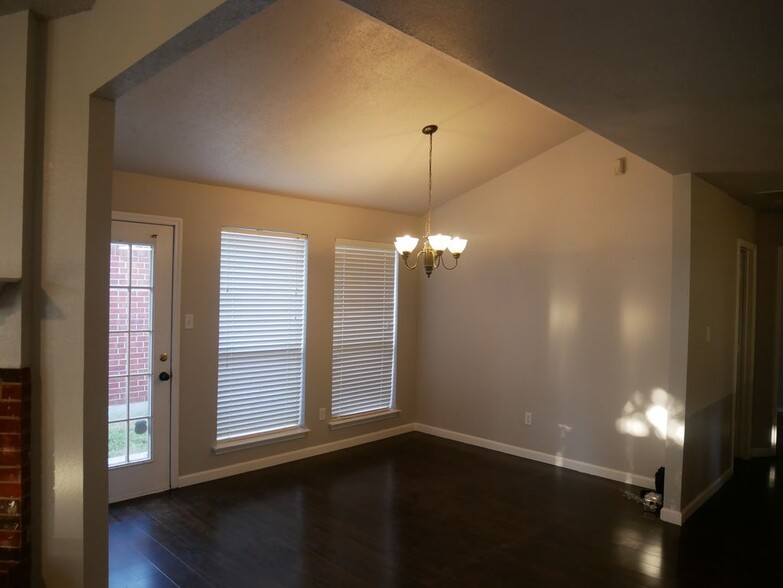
(10, 408)
(10, 440)
(10, 456)
(10, 425)
(11, 490)
(10, 474)
(10, 391)
(10, 554)
(9, 507)
(10, 539)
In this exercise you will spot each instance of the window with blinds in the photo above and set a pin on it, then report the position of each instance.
(365, 328)
(263, 283)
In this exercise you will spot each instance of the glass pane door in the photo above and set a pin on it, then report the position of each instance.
(139, 386)
(130, 359)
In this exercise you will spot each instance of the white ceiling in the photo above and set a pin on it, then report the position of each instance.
(314, 98)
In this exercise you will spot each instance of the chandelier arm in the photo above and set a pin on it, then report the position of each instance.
(456, 262)
(415, 265)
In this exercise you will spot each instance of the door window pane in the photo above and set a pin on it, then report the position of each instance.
(139, 446)
(130, 353)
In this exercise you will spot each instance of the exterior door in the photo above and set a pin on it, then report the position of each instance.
(140, 292)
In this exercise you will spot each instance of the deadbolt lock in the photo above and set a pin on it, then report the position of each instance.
(164, 356)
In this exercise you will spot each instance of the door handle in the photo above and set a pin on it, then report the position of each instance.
(164, 377)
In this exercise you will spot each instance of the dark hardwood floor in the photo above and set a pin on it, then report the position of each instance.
(417, 510)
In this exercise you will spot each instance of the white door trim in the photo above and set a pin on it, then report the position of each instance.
(743, 404)
(175, 328)
(777, 392)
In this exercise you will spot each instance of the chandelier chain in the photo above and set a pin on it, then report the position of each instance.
(429, 194)
(431, 255)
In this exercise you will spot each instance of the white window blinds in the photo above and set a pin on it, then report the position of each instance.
(261, 332)
(365, 325)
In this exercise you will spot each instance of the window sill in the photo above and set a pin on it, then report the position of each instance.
(258, 440)
(360, 419)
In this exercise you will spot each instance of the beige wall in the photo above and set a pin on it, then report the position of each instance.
(204, 210)
(16, 102)
(560, 307)
(770, 237)
(84, 52)
(678, 346)
(13, 86)
(717, 221)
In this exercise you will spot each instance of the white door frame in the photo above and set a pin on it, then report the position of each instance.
(777, 385)
(742, 411)
(175, 328)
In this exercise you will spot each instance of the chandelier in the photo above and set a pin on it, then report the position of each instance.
(434, 246)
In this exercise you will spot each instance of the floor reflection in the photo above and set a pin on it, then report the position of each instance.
(421, 511)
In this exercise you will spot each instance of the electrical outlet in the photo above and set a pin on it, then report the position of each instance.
(528, 418)
(321, 414)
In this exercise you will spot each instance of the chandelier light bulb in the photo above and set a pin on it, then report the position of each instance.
(457, 246)
(439, 242)
(434, 246)
(405, 245)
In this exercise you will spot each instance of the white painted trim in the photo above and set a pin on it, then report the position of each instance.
(745, 411)
(776, 391)
(352, 421)
(280, 458)
(132, 495)
(706, 494)
(289, 434)
(752, 337)
(176, 293)
(669, 515)
(571, 464)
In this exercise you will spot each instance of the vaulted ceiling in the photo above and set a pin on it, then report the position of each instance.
(691, 86)
(316, 99)
(46, 9)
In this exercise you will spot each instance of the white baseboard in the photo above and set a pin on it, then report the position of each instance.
(706, 494)
(132, 495)
(762, 452)
(273, 460)
(672, 516)
(571, 464)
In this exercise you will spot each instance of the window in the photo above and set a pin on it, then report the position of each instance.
(365, 325)
(261, 337)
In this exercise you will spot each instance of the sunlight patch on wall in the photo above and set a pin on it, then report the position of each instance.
(563, 316)
(636, 320)
(647, 415)
(564, 431)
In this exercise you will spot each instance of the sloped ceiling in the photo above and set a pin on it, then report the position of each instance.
(314, 98)
(691, 86)
(46, 9)
(340, 98)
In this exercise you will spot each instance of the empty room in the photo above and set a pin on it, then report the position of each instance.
(365, 293)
